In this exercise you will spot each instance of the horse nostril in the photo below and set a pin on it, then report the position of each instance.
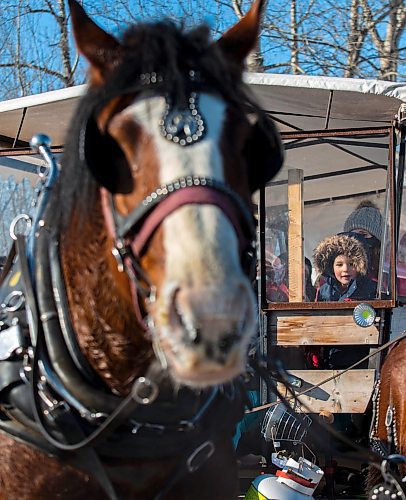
(209, 350)
(227, 342)
(196, 337)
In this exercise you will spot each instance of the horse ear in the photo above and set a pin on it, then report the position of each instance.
(263, 151)
(99, 48)
(239, 40)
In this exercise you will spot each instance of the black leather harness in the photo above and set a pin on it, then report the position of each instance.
(51, 399)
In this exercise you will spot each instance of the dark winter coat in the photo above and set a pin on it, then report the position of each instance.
(362, 288)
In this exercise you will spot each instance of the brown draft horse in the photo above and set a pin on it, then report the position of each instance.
(127, 387)
(388, 427)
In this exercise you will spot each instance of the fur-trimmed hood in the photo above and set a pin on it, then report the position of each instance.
(328, 249)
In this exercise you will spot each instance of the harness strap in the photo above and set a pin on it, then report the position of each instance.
(197, 195)
(262, 368)
(66, 328)
(9, 377)
(131, 234)
(126, 225)
(30, 300)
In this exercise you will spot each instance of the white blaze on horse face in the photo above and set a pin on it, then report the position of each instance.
(206, 313)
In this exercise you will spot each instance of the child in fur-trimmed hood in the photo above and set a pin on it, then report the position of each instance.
(342, 260)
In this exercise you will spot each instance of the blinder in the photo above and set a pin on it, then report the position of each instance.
(99, 159)
(263, 151)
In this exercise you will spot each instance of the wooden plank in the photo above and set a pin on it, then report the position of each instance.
(321, 330)
(348, 393)
(295, 235)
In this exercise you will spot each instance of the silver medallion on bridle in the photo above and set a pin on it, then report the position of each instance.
(183, 126)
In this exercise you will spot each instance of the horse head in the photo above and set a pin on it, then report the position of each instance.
(175, 147)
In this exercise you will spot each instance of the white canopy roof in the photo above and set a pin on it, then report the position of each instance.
(300, 101)
(295, 102)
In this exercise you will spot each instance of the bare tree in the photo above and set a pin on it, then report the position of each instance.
(352, 38)
(387, 44)
(363, 38)
(356, 39)
(40, 56)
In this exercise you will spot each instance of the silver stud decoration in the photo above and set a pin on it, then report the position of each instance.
(183, 126)
(150, 78)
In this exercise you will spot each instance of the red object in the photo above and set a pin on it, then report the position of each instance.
(315, 361)
(313, 356)
(299, 480)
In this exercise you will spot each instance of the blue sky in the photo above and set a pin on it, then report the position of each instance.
(322, 23)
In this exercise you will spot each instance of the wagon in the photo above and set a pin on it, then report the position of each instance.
(344, 143)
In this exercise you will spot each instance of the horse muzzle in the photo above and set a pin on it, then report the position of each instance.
(204, 332)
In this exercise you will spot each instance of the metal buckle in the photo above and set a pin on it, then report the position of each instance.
(11, 342)
(199, 456)
(14, 301)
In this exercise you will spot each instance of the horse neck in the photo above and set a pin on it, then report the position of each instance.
(100, 303)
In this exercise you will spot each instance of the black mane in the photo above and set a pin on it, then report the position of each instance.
(172, 53)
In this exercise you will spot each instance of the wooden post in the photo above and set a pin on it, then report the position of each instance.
(295, 235)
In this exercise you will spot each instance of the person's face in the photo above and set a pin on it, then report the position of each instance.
(362, 232)
(343, 269)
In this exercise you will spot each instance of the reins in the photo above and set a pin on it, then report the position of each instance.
(393, 482)
(278, 374)
(296, 396)
(362, 453)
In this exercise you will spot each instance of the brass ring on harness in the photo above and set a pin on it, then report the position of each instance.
(144, 391)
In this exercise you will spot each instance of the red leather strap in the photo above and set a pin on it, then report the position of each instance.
(194, 195)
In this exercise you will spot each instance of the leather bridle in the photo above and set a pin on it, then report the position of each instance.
(132, 233)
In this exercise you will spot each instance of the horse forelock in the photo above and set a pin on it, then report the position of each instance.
(172, 52)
